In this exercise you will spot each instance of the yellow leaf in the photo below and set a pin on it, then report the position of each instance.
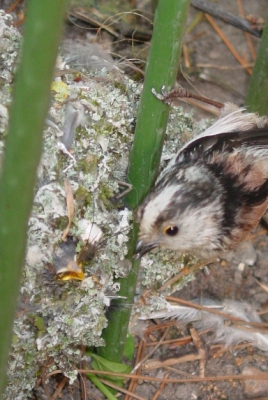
(61, 90)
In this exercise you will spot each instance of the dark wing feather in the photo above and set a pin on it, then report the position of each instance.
(206, 145)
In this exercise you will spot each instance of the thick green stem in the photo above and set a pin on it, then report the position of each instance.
(257, 96)
(162, 67)
(22, 152)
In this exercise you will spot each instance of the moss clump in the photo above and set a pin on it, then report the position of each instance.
(103, 127)
(81, 133)
(88, 164)
(95, 103)
(121, 86)
(83, 199)
(59, 223)
(105, 196)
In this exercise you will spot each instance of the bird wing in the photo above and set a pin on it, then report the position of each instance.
(234, 128)
(225, 141)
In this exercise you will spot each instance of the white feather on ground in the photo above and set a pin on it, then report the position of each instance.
(91, 56)
(230, 335)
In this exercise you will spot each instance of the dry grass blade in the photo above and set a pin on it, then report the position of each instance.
(151, 352)
(260, 376)
(219, 13)
(225, 67)
(201, 351)
(13, 6)
(155, 364)
(59, 389)
(119, 389)
(178, 372)
(158, 392)
(227, 43)
(180, 341)
(248, 37)
(139, 356)
(80, 14)
(44, 377)
(264, 287)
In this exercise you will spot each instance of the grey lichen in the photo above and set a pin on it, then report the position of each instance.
(55, 318)
(9, 45)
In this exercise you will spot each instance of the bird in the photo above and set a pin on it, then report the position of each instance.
(213, 192)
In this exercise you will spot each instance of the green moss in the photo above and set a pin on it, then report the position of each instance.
(15, 339)
(105, 195)
(94, 103)
(81, 133)
(60, 223)
(88, 164)
(39, 323)
(102, 127)
(83, 197)
(29, 358)
(121, 86)
(3, 135)
(61, 164)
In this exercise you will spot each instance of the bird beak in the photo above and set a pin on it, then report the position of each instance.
(143, 248)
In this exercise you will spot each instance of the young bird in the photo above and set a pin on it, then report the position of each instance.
(213, 192)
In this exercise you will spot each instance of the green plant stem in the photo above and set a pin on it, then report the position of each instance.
(257, 96)
(22, 152)
(162, 67)
(101, 387)
(119, 314)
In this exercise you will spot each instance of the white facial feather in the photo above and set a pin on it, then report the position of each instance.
(160, 202)
(156, 206)
(199, 230)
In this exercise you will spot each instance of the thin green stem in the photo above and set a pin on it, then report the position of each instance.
(257, 96)
(162, 67)
(22, 152)
(104, 390)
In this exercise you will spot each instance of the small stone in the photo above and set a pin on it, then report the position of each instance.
(261, 297)
(255, 388)
(34, 255)
(214, 55)
(241, 267)
(261, 271)
(238, 278)
(186, 392)
(245, 253)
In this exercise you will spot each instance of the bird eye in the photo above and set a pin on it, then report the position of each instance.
(171, 230)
